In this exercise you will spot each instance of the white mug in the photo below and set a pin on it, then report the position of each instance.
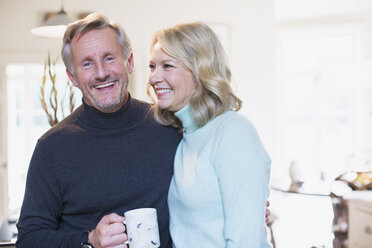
(142, 228)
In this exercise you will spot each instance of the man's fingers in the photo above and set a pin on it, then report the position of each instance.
(117, 228)
(119, 239)
(112, 241)
(267, 216)
(113, 234)
(120, 246)
(109, 232)
(267, 213)
(112, 218)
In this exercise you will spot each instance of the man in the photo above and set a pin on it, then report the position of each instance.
(107, 157)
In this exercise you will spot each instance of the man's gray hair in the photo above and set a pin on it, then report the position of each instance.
(94, 21)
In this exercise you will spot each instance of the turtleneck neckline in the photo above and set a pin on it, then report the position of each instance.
(188, 122)
(92, 117)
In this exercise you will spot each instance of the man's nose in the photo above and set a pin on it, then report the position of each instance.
(102, 72)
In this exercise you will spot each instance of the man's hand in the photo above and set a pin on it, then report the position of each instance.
(267, 215)
(109, 232)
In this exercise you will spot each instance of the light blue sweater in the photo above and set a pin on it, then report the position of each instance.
(220, 185)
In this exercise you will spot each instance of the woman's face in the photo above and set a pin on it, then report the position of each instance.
(172, 82)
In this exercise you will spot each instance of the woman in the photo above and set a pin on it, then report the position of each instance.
(221, 172)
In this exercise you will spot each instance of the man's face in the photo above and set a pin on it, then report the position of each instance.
(100, 69)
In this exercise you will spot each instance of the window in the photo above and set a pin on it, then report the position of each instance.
(323, 99)
(27, 120)
(323, 113)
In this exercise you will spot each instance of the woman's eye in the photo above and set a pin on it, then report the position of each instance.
(168, 66)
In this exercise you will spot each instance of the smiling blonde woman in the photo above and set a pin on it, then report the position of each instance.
(221, 172)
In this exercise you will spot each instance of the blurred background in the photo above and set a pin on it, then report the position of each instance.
(303, 69)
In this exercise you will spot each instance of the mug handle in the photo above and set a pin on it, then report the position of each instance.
(126, 242)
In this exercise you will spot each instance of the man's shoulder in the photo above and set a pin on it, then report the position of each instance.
(65, 126)
(148, 116)
(143, 108)
(141, 104)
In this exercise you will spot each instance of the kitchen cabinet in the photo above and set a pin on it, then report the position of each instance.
(360, 219)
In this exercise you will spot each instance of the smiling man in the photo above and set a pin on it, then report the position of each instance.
(107, 157)
(101, 69)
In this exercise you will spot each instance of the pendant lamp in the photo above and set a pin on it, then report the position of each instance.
(54, 26)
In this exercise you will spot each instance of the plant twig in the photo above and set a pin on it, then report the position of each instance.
(52, 110)
(42, 97)
(53, 92)
(72, 94)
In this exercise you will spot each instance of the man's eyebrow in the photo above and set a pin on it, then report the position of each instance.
(85, 58)
(88, 57)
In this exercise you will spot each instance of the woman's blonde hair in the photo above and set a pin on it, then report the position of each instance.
(196, 46)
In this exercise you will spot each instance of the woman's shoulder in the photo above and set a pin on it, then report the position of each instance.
(233, 120)
(235, 126)
(236, 134)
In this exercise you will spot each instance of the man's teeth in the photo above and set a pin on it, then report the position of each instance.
(104, 85)
(162, 91)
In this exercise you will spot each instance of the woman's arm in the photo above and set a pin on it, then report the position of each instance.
(243, 169)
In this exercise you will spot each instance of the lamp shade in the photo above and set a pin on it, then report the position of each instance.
(54, 27)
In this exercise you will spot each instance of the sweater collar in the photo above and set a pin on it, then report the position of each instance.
(187, 119)
(92, 117)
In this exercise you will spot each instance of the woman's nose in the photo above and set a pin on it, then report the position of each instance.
(155, 76)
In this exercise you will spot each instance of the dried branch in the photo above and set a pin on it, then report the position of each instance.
(42, 97)
(53, 92)
(72, 94)
(50, 73)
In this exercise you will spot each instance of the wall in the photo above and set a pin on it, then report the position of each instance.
(251, 42)
(250, 45)
(3, 149)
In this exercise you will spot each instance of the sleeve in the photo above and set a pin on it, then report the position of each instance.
(243, 168)
(42, 206)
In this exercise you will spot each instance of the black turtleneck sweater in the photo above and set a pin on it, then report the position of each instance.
(92, 164)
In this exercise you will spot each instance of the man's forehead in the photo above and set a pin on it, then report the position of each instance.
(93, 34)
(78, 36)
(95, 43)
(95, 37)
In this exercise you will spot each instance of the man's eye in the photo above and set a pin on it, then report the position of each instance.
(152, 67)
(87, 64)
(109, 59)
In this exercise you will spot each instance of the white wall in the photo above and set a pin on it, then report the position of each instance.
(251, 44)
(3, 149)
(315, 9)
